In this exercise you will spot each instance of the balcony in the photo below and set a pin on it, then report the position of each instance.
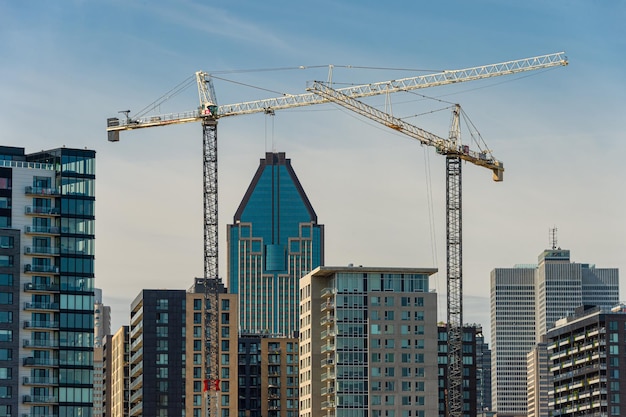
(328, 375)
(42, 211)
(328, 334)
(136, 370)
(327, 390)
(36, 380)
(137, 343)
(48, 362)
(328, 292)
(327, 305)
(137, 395)
(41, 306)
(41, 250)
(136, 409)
(136, 316)
(328, 362)
(42, 191)
(328, 348)
(32, 287)
(42, 230)
(137, 383)
(41, 269)
(34, 343)
(328, 404)
(327, 319)
(39, 399)
(43, 324)
(137, 356)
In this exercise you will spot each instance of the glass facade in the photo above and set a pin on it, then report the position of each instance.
(275, 239)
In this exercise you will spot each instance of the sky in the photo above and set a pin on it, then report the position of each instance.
(66, 66)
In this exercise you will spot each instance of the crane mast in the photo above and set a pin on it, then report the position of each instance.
(208, 113)
(455, 153)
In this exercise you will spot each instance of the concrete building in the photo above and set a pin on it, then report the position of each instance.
(368, 342)
(274, 240)
(483, 374)
(46, 282)
(117, 373)
(587, 362)
(525, 303)
(538, 381)
(101, 329)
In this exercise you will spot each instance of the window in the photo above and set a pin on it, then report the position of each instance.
(197, 318)
(6, 354)
(197, 304)
(6, 260)
(389, 315)
(5, 317)
(162, 359)
(6, 279)
(6, 298)
(162, 318)
(162, 304)
(5, 392)
(161, 331)
(161, 345)
(5, 373)
(6, 242)
(225, 305)
(225, 359)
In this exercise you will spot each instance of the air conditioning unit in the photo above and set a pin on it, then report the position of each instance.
(27, 249)
(29, 209)
(27, 229)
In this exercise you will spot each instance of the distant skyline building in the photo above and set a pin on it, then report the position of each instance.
(47, 237)
(368, 343)
(525, 303)
(274, 240)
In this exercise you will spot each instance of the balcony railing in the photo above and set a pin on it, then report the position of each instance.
(137, 383)
(41, 324)
(40, 362)
(46, 269)
(41, 250)
(42, 211)
(41, 306)
(31, 286)
(39, 380)
(42, 191)
(43, 399)
(42, 230)
(34, 343)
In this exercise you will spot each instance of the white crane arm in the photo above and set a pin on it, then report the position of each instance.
(441, 145)
(209, 109)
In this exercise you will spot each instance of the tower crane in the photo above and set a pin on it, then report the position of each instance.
(455, 152)
(208, 114)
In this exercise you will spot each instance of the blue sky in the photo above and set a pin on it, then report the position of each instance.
(68, 65)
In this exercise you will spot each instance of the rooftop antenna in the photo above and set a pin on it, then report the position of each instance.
(552, 237)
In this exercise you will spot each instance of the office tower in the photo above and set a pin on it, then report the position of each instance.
(117, 373)
(368, 342)
(46, 282)
(586, 352)
(525, 302)
(470, 366)
(538, 381)
(275, 240)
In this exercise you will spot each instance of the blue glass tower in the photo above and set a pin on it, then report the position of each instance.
(275, 240)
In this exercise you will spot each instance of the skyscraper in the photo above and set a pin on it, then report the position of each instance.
(46, 282)
(275, 240)
(525, 303)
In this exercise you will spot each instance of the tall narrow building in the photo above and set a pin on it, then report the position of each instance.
(526, 301)
(46, 282)
(274, 241)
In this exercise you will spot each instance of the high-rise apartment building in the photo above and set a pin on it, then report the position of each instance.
(46, 282)
(275, 240)
(483, 374)
(368, 343)
(525, 303)
(117, 373)
(586, 359)
(101, 329)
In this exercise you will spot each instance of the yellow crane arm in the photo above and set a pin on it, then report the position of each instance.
(441, 145)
